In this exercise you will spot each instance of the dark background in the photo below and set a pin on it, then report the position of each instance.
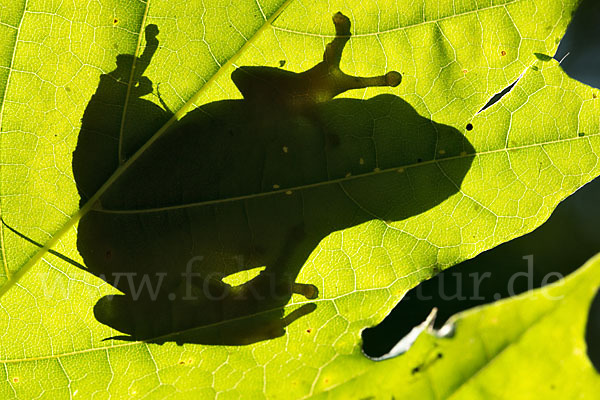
(562, 244)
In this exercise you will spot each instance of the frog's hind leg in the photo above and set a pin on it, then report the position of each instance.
(291, 259)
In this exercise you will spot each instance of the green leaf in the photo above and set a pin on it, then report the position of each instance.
(531, 150)
(540, 333)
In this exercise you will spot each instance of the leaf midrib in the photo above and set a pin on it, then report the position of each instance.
(131, 83)
(401, 28)
(2, 102)
(343, 179)
(123, 167)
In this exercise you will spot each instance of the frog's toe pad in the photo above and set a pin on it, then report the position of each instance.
(393, 78)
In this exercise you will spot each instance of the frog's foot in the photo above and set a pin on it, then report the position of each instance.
(268, 287)
(305, 289)
(298, 313)
(299, 91)
(335, 81)
(162, 102)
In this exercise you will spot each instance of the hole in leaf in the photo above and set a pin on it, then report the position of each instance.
(496, 98)
(578, 49)
(592, 332)
(563, 244)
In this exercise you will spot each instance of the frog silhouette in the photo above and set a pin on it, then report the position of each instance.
(241, 184)
(99, 142)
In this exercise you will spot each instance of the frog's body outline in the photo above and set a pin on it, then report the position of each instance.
(254, 310)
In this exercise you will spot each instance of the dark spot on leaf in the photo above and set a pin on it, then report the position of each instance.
(553, 386)
(15, 379)
(281, 63)
(309, 330)
(542, 57)
(594, 95)
(581, 134)
(440, 355)
(416, 369)
(503, 53)
(68, 89)
(115, 21)
(469, 127)
(535, 68)
(181, 362)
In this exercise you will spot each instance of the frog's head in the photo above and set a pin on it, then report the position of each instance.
(275, 87)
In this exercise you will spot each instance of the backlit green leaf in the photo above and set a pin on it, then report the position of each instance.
(521, 157)
(541, 334)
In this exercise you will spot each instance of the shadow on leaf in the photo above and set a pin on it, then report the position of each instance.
(242, 184)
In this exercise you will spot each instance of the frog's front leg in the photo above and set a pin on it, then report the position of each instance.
(328, 80)
(277, 88)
